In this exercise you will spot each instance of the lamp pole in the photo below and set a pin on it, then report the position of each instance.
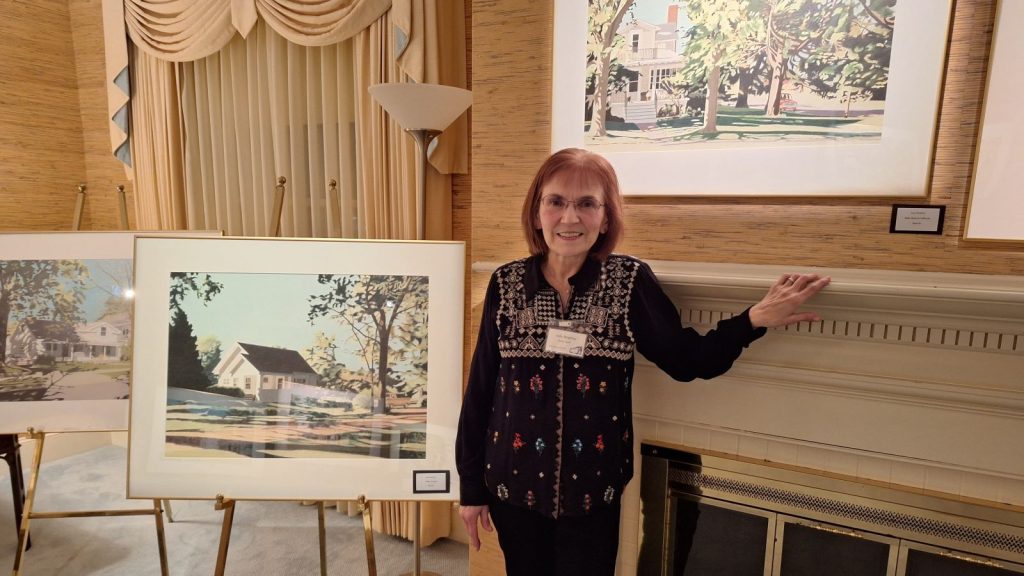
(423, 137)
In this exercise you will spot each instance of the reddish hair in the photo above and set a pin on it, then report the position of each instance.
(582, 170)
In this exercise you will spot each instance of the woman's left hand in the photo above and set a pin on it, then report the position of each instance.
(779, 306)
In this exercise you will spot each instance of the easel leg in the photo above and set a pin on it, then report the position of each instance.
(228, 506)
(371, 557)
(168, 511)
(37, 461)
(161, 542)
(323, 537)
(416, 544)
(12, 454)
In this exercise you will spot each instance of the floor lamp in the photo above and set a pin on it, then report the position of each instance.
(424, 111)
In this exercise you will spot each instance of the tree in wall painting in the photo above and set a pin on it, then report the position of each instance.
(65, 329)
(670, 73)
(297, 365)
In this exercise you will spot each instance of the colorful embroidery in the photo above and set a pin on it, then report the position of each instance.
(502, 492)
(539, 445)
(577, 446)
(582, 384)
(496, 436)
(530, 499)
(515, 386)
(600, 443)
(501, 384)
(602, 388)
(536, 385)
(586, 502)
(517, 442)
(609, 495)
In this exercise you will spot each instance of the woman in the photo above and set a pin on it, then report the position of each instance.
(545, 436)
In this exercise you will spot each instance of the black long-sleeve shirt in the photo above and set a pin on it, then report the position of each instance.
(554, 433)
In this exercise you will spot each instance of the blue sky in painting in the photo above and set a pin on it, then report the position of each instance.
(268, 310)
(107, 278)
(656, 12)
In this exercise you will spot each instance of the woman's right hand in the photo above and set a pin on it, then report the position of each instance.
(470, 515)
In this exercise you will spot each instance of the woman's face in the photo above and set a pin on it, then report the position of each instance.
(571, 219)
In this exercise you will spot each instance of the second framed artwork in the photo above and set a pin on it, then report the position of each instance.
(295, 369)
(739, 98)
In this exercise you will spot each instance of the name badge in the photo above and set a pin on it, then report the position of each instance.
(565, 342)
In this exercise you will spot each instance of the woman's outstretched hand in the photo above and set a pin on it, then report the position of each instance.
(470, 515)
(780, 305)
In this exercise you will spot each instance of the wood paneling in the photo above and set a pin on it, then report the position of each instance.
(41, 155)
(53, 118)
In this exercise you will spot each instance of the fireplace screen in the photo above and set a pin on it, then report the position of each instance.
(710, 516)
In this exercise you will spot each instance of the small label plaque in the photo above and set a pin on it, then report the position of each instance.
(916, 219)
(431, 482)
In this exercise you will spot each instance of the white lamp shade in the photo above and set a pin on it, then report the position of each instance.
(422, 106)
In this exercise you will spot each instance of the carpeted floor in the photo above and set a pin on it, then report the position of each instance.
(268, 538)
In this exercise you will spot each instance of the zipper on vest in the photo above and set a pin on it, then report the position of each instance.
(563, 314)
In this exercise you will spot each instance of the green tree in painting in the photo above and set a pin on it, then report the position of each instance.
(210, 351)
(384, 309)
(203, 286)
(724, 35)
(321, 357)
(852, 63)
(43, 289)
(184, 369)
(799, 30)
(604, 17)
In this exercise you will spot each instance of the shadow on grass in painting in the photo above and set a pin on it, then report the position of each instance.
(252, 429)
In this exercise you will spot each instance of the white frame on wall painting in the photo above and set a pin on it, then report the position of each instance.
(152, 473)
(996, 204)
(897, 164)
(70, 415)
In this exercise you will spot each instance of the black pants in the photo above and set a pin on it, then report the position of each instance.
(534, 545)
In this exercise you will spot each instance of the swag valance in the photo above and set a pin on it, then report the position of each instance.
(185, 30)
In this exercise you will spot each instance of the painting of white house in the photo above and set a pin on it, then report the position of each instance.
(65, 329)
(263, 365)
(669, 74)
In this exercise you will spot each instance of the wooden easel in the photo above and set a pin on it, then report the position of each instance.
(228, 506)
(28, 515)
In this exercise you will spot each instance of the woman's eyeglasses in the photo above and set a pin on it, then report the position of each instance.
(586, 206)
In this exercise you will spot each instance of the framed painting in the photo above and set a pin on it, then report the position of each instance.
(65, 330)
(753, 98)
(296, 369)
(996, 202)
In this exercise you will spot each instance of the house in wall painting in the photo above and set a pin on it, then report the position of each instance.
(106, 340)
(254, 369)
(727, 73)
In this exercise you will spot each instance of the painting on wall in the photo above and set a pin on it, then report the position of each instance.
(996, 203)
(65, 330)
(753, 97)
(294, 362)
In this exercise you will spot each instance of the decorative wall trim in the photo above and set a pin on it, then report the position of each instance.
(906, 367)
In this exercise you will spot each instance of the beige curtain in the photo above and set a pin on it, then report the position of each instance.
(263, 107)
(184, 30)
(157, 145)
